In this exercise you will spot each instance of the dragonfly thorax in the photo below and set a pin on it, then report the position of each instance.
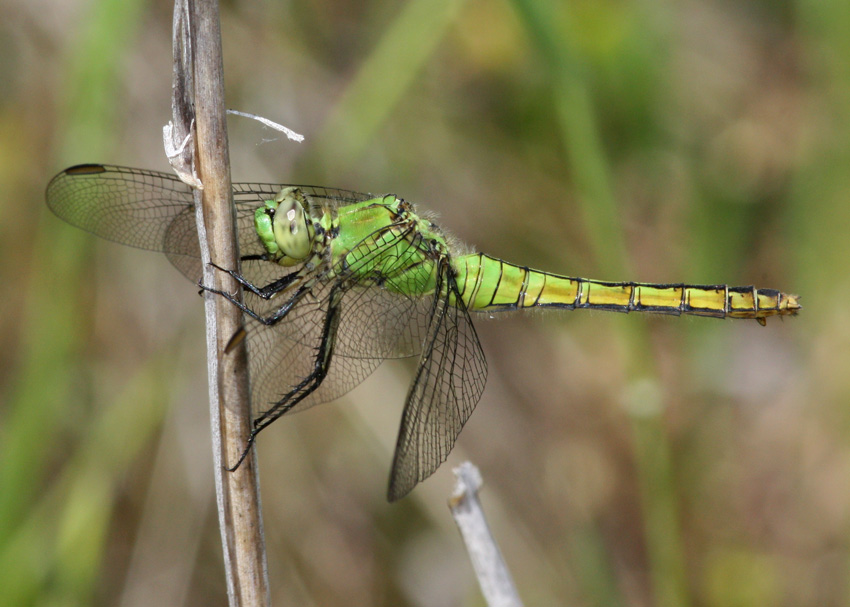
(284, 227)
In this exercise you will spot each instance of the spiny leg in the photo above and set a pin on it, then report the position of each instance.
(309, 384)
(266, 292)
(273, 318)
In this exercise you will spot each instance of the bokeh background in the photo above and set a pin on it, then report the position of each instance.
(627, 460)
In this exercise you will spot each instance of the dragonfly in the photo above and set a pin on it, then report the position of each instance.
(337, 281)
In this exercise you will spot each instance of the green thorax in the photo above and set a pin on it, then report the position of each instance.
(380, 241)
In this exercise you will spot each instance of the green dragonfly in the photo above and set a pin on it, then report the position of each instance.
(337, 281)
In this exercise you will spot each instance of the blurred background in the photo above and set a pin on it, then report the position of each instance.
(627, 460)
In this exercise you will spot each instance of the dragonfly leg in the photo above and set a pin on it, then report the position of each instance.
(321, 364)
(271, 319)
(266, 292)
(251, 439)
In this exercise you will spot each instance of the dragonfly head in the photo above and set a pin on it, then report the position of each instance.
(284, 227)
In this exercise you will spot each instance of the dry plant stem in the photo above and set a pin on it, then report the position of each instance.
(495, 580)
(238, 492)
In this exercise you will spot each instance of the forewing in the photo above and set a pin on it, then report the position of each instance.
(155, 211)
(130, 206)
(449, 382)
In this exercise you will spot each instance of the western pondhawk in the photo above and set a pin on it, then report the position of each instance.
(336, 281)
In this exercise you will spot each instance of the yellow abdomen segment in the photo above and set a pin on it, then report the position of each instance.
(487, 283)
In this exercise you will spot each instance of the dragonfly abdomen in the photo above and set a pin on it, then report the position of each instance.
(490, 284)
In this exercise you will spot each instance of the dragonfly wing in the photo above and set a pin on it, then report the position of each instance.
(374, 325)
(283, 355)
(449, 382)
(180, 243)
(131, 206)
(155, 211)
(278, 363)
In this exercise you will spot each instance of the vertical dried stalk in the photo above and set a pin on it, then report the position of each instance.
(198, 69)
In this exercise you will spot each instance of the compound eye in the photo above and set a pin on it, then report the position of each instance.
(263, 223)
(292, 230)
